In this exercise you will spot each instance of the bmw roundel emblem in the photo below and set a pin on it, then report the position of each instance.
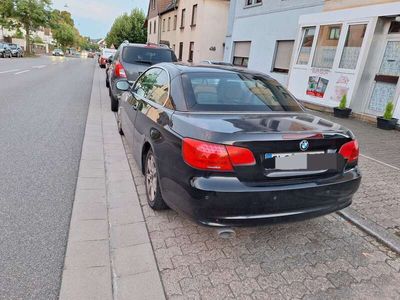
(304, 145)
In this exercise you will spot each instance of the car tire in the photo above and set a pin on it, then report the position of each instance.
(114, 103)
(151, 181)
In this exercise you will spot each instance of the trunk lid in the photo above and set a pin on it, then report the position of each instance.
(267, 136)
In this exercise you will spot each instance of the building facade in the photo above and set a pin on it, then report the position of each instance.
(194, 29)
(261, 33)
(44, 34)
(352, 49)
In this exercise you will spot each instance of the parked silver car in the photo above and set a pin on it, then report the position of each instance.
(130, 61)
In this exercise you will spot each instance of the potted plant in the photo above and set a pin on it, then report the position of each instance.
(387, 121)
(342, 111)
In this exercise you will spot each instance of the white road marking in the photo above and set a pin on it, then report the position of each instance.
(39, 67)
(22, 72)
(9, 71)
(381, 162)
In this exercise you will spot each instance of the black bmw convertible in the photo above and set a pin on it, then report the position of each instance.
(231, 147)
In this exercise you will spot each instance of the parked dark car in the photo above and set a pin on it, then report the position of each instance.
(16, 50)
(131, 60)
(231, 147)
(5, 50)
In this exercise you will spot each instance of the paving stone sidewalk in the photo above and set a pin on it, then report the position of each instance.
(378, 198)
(109, 254)
(323, 258)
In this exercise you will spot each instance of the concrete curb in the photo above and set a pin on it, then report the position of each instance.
(380, 233)
(109, 254)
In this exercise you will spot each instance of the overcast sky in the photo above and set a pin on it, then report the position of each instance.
(94, 17)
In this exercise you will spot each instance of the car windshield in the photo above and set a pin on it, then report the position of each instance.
(147, 55)
(217, 91)
(13, 46)
(57, 50)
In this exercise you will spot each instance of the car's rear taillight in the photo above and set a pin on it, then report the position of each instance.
(350, 151)
(209, 156)
(119, 70)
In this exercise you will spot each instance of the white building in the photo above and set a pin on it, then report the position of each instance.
(353, 52)
(261, 33)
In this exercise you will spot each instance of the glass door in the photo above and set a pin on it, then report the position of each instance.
(386, 80)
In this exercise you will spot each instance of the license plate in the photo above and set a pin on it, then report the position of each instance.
(318, 160)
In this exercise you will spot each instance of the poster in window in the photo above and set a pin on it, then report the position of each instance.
(317, 86)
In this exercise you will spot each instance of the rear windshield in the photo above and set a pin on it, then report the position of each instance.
(236, 92)
(147, 55)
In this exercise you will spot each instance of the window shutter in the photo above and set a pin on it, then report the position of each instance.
(242, 49)
(283, 55)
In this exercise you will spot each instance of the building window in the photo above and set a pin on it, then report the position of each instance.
(283, 54)
(325, 51)
(173, 47)
(153, 4)
(150, 28)
(306, 44)
(191, 50)
(183, 18)
(252, 2)
(241, 53)
(163, 25)
(180, 51)
(352, 46)
(194, 15)
(155, 27)
(169, 23)
(175, 21)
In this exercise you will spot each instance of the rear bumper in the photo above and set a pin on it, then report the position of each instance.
(225, 201)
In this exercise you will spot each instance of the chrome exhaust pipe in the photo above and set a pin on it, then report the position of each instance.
(226, 233)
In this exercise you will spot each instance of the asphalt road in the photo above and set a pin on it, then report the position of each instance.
(43, 108)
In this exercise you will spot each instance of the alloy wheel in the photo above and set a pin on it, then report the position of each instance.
(151, 178)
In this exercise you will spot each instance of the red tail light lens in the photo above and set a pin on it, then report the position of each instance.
(119, 70)
(209, 156)
(350, 151)
(241, 156)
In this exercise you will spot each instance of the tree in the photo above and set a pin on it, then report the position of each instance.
(128, 27)
(6, 12)
(32, 14)
(65, 35)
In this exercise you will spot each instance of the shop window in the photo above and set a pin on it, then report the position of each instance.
(306, 44)
(352, 46)
(241, 53)
(325, 51)
(191, 50)
(283, 55)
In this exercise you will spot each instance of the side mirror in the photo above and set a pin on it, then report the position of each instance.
(123, 85)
